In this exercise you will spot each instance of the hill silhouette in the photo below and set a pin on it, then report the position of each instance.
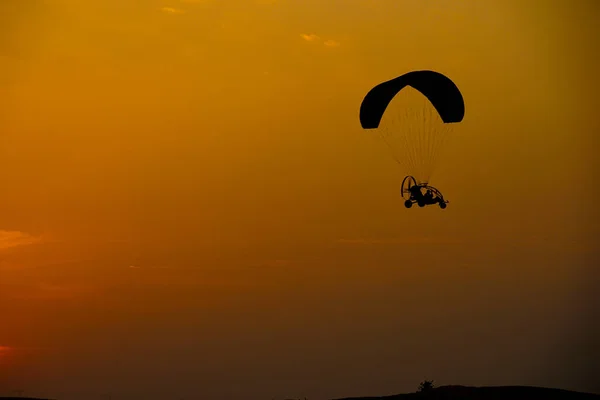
(21, 398)
(454, 392)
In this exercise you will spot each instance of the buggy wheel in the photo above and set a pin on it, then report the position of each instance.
(442, 205)
(408, 204)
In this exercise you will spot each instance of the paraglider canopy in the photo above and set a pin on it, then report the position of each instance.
(439, 90)
(414, 114)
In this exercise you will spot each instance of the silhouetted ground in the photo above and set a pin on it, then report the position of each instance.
(466, 393)
(21, 398)
(488, 393)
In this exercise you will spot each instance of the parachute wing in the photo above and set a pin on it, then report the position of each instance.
(439, 90)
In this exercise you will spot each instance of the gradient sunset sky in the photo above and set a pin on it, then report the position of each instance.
(189, 207)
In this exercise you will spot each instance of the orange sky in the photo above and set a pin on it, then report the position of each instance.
(190, 206)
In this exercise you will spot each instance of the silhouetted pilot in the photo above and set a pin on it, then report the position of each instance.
(429, 196)
(415, 192)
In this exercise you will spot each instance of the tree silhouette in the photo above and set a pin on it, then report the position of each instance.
(425, 386)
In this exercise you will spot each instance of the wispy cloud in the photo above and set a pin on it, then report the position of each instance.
(149, 267)
(400, 240)
(310, 37)
(274, 263)
(7, 353)
(48, 291)
(171, 10)
(9, 239)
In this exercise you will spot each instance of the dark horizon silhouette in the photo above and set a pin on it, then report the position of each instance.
(459, 392)
(450, 392)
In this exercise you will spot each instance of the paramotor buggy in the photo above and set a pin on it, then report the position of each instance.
(412, 192)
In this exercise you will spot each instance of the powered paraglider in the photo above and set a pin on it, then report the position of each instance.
(414, 115)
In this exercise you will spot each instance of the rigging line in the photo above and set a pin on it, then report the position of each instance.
(391, 148)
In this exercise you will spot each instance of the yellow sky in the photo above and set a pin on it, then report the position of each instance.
(191, 177)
